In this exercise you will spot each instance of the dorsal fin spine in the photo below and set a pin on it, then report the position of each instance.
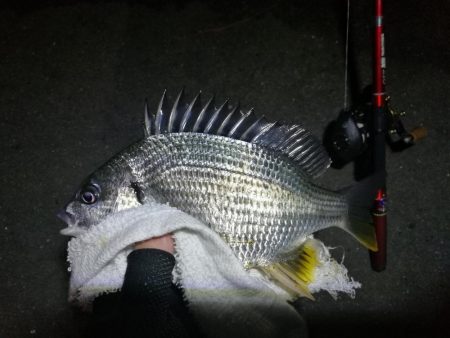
(264, 131)
(175, 113)
(238, 124)
(160, 123)
(199, 123)
(149, 120)
(209, 127)
(226, 121)
(187, 117)
(251, 131)
(293, 141)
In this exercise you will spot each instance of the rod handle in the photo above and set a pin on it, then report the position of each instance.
(418, 133)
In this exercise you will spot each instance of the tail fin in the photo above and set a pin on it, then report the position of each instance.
(360, 199)
(363, 231)
(296, 274)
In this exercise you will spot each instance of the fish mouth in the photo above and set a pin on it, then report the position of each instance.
(72, 229)
(66, 217)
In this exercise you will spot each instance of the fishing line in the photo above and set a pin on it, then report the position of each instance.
(346, 58)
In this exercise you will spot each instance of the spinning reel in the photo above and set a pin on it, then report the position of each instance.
(349, 136)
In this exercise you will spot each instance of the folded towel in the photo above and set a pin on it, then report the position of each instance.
(225, 299)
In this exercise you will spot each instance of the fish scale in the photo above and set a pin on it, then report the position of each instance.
(222, 181)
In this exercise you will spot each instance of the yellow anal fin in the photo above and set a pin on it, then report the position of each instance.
(296, 274)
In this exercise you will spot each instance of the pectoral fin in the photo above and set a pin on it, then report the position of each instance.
(140, 194)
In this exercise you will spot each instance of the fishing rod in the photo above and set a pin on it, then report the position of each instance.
(379, 130)
(360, 135)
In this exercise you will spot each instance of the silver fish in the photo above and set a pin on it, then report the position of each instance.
(250, 180)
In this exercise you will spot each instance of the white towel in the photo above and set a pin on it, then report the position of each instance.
(224, 298)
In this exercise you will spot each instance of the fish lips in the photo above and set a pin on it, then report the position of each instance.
(66, 217)
(72, 229)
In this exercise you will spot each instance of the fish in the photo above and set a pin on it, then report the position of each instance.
(248, 179)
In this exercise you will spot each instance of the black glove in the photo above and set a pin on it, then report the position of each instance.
(149, 304)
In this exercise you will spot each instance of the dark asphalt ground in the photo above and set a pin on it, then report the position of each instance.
(73, 80)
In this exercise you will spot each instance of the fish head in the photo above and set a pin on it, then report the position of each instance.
(106, 191)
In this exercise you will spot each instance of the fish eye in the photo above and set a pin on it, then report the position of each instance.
(89, 194)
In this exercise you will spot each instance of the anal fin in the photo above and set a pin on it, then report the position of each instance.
(296, 274)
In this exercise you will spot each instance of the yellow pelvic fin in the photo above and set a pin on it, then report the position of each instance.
(296, 274)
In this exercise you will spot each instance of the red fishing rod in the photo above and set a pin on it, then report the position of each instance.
(387, 127)
(360, 135)
(379, 131)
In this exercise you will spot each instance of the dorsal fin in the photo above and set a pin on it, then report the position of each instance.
(162, 115)
(203, 117)
(176, 113)
(191, 113)
(216, 119)
(230, 119)
(292, 140)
